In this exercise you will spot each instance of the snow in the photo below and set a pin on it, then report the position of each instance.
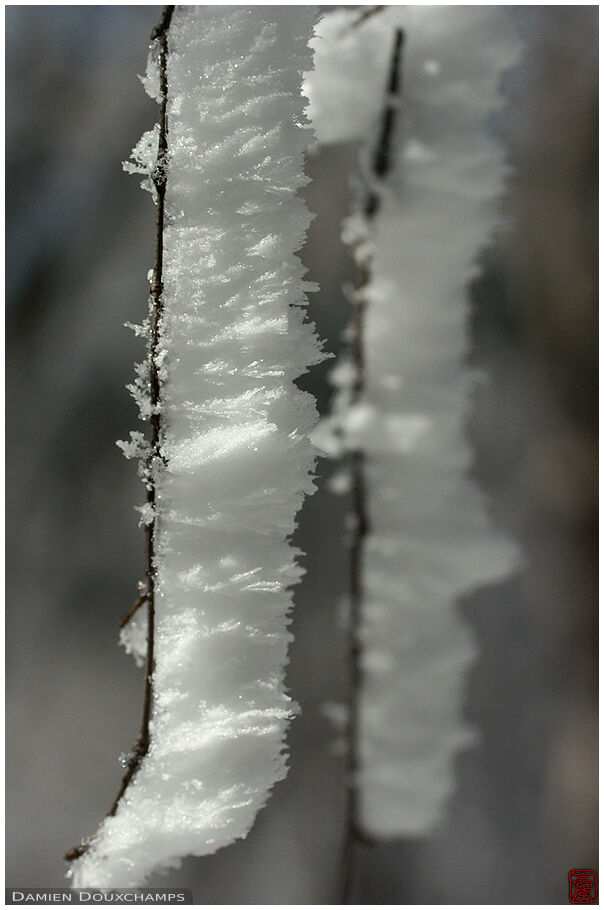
(235, 438)
(345, 88)
(431, 539)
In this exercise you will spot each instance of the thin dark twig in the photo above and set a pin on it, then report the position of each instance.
(133, 609)
(164, 23)
(367, 14)
(381, 161)
(381, 166)
(141, 745)
(382, 156)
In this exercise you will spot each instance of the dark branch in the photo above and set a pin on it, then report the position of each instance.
(367, 14)
(381, 167)
(75, 852)
(141, 745)
(381, 161)
(164, 23)
(382, 156)
(133, 609)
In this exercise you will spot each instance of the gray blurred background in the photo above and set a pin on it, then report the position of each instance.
(79, 244)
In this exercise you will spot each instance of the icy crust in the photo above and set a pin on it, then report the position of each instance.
(236, 444)
(431, 540)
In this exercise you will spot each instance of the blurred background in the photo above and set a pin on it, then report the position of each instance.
(79, 244)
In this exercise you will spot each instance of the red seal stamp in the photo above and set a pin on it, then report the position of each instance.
(583, 886)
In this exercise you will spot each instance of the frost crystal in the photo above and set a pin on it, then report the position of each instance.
(237, 460)
(136, 447)
(133, 637)
(144, 153)
(431, 541)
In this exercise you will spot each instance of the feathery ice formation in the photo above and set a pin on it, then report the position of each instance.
(430, 537)
(235, 437)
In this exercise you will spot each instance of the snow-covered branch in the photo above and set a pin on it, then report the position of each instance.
(430, 541)
(234, 459)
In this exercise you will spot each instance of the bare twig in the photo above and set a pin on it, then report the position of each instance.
(367, 13)
(163, 25)
(133, 609)
(382, 156)
(140, 746)
(381, 166)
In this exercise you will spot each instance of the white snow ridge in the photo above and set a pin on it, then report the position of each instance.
(238, 456)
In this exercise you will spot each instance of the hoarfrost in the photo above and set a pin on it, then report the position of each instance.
(133, 637)
(237, 460)
(147, 514)
(135, 447)
(144, 329)
(346, 86)
(144, 153)
(431, 540)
